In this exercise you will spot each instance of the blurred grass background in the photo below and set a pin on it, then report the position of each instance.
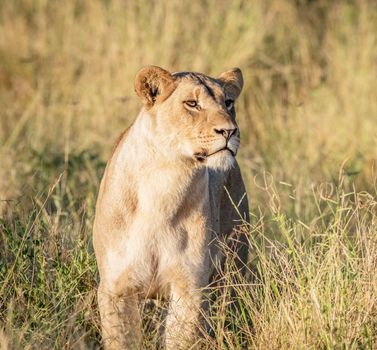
(308, 117)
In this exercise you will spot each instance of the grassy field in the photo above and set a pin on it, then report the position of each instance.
(308, 117)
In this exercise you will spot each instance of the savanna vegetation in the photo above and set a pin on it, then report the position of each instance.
(308, 116)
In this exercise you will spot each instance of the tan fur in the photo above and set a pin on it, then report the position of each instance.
(162, 206)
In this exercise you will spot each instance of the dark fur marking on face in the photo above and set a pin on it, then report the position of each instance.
(201, 79)
(209, 90)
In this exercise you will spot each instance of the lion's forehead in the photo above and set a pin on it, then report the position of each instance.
(209, 84)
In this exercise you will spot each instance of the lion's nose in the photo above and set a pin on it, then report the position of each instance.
(227, 133)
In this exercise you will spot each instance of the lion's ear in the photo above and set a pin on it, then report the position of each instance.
(154, 85)
(232, 82)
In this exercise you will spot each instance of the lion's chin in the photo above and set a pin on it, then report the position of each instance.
(222, 161)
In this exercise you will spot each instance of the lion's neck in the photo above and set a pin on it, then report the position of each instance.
(161, 183)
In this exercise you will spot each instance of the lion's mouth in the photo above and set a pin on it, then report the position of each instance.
(202, 156)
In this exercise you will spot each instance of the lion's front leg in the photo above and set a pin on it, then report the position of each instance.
(186, 309)
(183, 318)
(120, 319)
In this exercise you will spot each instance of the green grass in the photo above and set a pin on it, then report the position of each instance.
(307, 115)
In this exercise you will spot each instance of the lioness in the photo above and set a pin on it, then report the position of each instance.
(162, 205)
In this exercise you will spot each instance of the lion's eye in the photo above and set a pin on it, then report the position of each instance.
(229, 103)
(191, 103)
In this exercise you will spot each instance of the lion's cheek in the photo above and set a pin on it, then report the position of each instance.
(186, 149)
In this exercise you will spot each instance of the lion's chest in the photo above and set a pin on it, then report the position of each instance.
(171, 228)
(165, 195)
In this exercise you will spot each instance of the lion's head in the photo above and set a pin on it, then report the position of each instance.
(192, 116)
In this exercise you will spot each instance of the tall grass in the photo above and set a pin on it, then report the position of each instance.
(308, 116)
